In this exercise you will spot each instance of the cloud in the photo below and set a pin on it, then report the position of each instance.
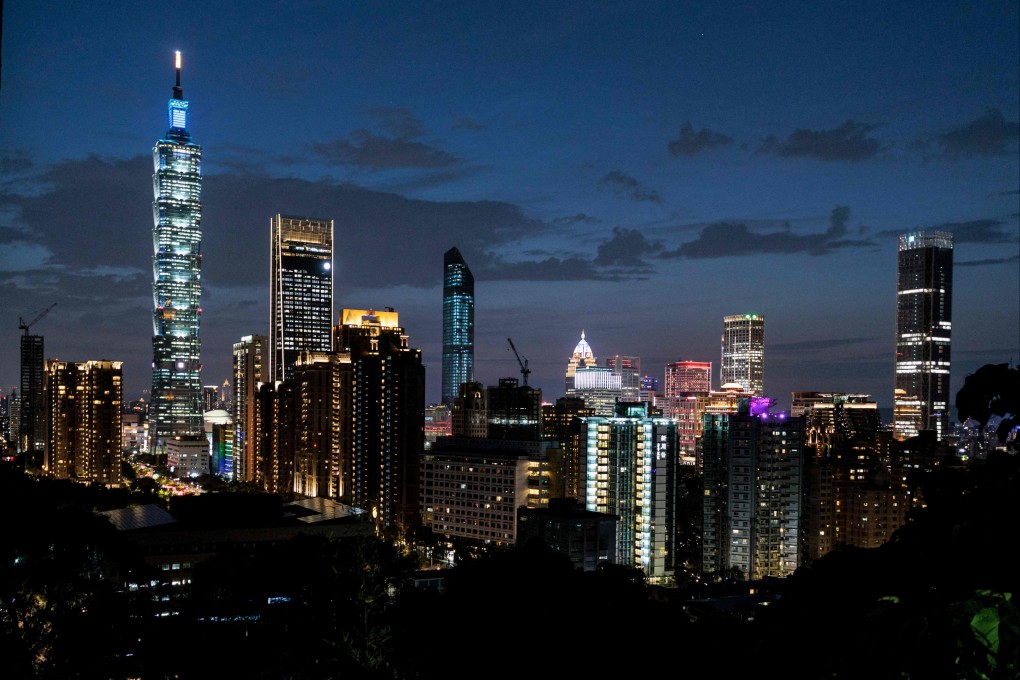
(731, 239)
(550, 269)
(987, 135)
(691, 143)
(367, 150)
(973, 231)
(992, 261)
(398, 121)
(625, 249)
(849, 142)
(465, 123)
(579, 218)
(625, 185)
(14, 162)
(92, 221)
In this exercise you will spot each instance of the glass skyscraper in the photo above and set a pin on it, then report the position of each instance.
(176, 399)
(301, 290)
(458, 324)
(924, 312)
(743, 352)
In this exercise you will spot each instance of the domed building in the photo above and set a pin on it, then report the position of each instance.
(583, 356)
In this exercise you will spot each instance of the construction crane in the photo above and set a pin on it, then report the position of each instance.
(524, 364)
(25, 326)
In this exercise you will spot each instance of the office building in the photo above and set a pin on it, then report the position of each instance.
(388, 414)
(599, 386)
(458, 324)
(743, 352)
(650, 390)
(587, 538)
(924, 314)
(438, 423)
(250, 370)
(175, 410)
(629, 370)
(83, 419)
(470, 416)
(300, 290)
(471, 488)
(514, 411)
(583, 356)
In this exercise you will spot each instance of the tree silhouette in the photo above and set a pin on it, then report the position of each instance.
(992, 390)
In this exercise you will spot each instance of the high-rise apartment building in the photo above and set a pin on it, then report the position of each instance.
(300, 290)
(380, 474)
(32, 429)
(924, 313)
(83, 415)
(176, 398)
(753, 466)
(743, 352)
(631, 470)
(251, 369)
(5, 426)
(458, 324)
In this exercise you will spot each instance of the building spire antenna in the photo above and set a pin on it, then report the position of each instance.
(178, 91)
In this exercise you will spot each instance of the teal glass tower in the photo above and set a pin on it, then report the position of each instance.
(175, 409)
(458, 324)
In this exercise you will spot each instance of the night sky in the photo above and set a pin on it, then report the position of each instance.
(635, 170)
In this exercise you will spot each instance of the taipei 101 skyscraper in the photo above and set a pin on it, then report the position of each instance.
(175, 408)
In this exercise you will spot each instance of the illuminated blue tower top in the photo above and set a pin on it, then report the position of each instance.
(177, 109)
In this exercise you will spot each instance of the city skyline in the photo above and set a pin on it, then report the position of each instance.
(606, 179)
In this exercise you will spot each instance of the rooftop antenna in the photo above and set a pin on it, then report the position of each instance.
(178, 91)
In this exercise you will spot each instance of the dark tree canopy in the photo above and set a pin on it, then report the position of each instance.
(992, 390)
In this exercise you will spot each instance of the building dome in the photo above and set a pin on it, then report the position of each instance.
(583, 351)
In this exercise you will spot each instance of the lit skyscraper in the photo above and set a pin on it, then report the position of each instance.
(176, 399)
(924, 312)
(583, 356)
(743, 352)
(458, 324)
(301, 290)
(33, 403)
(83, 409)
(251, 369)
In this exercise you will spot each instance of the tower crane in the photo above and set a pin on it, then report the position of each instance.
(25, 326)
(524, 364)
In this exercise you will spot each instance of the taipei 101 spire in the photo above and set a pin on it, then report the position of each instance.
(175, 408)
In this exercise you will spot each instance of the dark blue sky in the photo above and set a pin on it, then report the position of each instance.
(636, 170)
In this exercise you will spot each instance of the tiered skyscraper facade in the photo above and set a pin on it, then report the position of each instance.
(924, 313)
(176, 399)
(301, 290)
(743, 352)
(458, 324)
